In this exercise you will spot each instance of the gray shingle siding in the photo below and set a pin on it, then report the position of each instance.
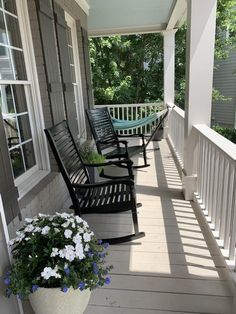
(223, 113)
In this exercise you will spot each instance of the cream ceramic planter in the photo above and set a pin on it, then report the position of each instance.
(54, 301)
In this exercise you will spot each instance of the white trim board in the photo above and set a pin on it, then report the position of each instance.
(84, 5)
(127, 30)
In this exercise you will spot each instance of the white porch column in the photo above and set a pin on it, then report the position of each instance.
(201, 19)
(169, 69)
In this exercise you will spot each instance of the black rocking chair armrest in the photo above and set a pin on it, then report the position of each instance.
(110, 163)
(103, 183)
(114, 142)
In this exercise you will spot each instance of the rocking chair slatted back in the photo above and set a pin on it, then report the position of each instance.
(101, 126)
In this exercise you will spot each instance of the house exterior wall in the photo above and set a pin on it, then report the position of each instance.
(50, 195)
(223, 113)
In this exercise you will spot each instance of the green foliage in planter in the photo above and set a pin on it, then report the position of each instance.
(230, 134)
(90, 156)
(58, 251)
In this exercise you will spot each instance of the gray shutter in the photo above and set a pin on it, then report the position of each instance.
(47, 32)
(87, 68)
(69, 97)
(8, 190)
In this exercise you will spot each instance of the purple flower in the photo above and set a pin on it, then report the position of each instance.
(34, 288)
(64, 289)
(8, 273)
(7, 281)
(106, 245)
(67, 271)
(99, 241)
(81, 286)
(90, 254)
(107, 281)
(102, 255)
(95, 268)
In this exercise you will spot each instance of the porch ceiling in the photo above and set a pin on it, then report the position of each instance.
(107, 17)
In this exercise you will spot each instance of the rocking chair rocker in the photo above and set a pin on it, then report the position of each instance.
(111, 196)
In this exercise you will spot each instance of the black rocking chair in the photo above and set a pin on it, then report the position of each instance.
(111, 196)
(106, 137)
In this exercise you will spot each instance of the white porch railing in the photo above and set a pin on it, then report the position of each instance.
(134, 112)
(215, 166)
(216, 185)
(176, 132)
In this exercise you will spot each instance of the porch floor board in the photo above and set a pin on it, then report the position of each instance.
(177, 267)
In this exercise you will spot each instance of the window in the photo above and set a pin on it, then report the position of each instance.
(75, 73)
(18, 96)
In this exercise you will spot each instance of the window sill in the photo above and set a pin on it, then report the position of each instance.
(28, 184)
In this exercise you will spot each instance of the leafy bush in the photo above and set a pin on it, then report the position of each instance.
(230, 134)
(56, 251)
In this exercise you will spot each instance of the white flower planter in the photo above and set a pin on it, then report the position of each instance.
(54, 301)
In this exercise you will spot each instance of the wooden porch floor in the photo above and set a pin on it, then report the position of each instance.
(176, 268)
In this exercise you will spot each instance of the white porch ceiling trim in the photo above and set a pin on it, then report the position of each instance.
(84, 5)
(128, 31)
(178, 15)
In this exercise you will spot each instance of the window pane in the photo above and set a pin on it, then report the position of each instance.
(19, 97)
(0, 3)
(71, 57)
(19, 64)
(6, 72)
(3, 33)
(11, 131)
(17, 162)
(13, 31)
(24, 127)
(69, 38)
(6, 99)
(10, 5)
(28, 151)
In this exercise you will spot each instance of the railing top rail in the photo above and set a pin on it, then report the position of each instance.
(223, 144)
(178, 110)
(131, 105)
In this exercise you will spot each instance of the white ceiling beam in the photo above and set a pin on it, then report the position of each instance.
(127, 30)
(177, 15)
(84, 5)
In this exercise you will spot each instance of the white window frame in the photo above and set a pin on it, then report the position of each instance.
(30, 178)
(79, 91)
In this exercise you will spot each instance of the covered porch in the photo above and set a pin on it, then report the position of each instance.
(177, 267)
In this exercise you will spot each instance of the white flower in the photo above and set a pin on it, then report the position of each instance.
(79, 252)
(78, 219)
(87, 237)
(42, 215)
(11, 242)
(68, 234)
(37, 229)
(27, 239)
(63, 215)
(69, 253)
(54, 252)
(86, 248)
(29, 220)
(49, 272)
(85, 224)
(77, 238)
(80, 230)
(29, 228)
(62, 254)
(45, 230)
(66, 224)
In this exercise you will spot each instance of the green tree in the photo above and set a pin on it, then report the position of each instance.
(129, 69)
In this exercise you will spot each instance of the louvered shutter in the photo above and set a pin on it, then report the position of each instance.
(49, 43)
(69, 98)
